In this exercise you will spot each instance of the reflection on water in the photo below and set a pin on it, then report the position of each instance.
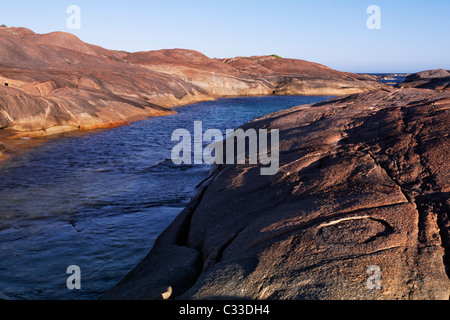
(100, 199)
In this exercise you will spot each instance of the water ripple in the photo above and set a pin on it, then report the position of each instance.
(100, 199)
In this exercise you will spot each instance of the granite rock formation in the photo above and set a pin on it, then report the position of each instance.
(363, 187)
(51, 83)
(258, 75)
(431, 79)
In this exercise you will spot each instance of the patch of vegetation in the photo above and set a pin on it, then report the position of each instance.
(123, 51)
(3, 26)
(277, 56)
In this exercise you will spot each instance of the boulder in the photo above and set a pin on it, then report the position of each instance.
(430, 79)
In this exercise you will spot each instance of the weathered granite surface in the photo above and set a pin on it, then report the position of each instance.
(363, 181)
(438, 79)
(51, 83)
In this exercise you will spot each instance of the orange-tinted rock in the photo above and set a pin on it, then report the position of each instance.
(363, 187)
(55, 82)
(262, 75)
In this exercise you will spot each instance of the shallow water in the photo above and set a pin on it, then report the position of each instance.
(100, 199)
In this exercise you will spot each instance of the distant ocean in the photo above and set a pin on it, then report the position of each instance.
(390, 78)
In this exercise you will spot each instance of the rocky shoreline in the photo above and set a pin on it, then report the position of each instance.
(363, 178)
(53, 83)
(363, 182)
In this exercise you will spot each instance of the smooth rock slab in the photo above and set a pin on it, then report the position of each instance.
(363, 182)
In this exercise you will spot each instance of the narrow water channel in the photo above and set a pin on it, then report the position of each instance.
(100, 199)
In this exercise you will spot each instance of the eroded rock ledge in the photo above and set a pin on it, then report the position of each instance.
(364, 181)
(430, 79)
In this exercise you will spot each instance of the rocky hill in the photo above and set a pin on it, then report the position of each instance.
(55, 82)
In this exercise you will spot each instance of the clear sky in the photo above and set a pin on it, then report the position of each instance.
(414, 34)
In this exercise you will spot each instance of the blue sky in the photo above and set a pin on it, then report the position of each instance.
(413, 36)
